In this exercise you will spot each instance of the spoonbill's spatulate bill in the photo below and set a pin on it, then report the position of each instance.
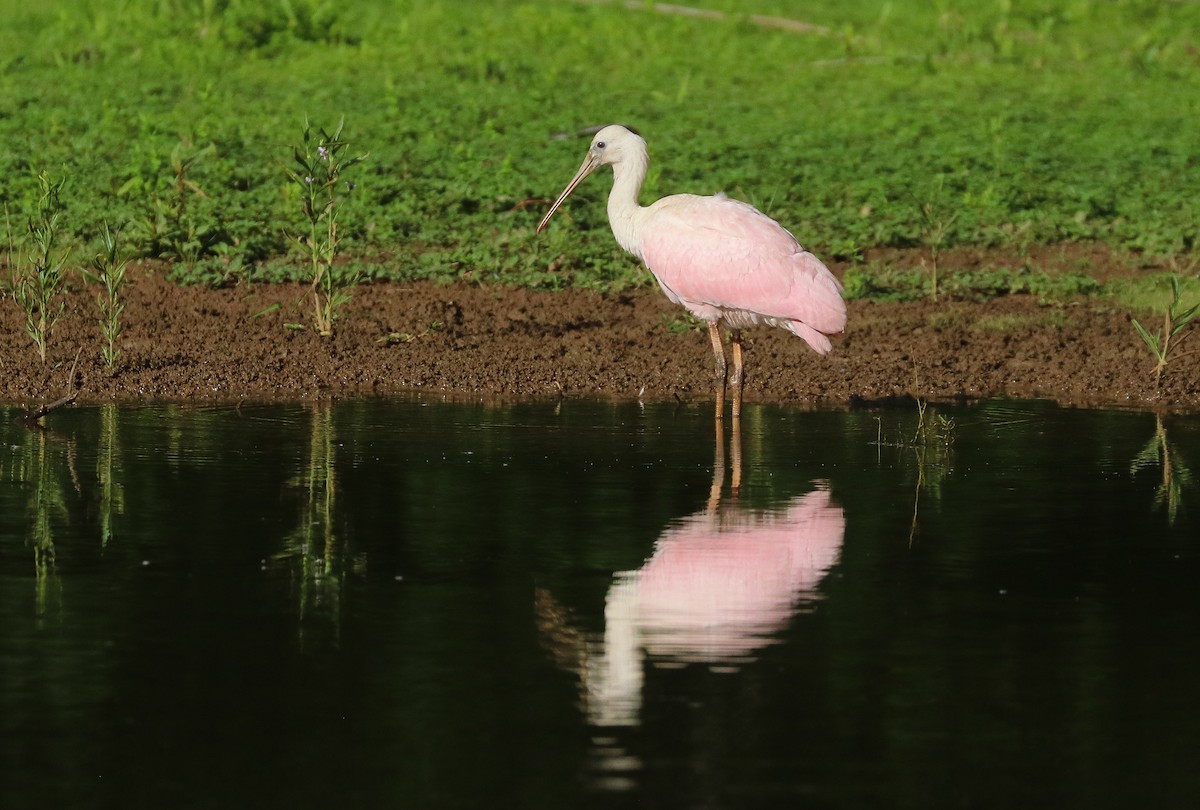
(725, 261)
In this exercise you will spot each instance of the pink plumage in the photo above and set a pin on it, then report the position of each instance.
(723, 260)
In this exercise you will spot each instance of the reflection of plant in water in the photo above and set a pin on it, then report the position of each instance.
(1175, 474)
(112, 492)
(47, 501)
(932, 443)
(314, 544)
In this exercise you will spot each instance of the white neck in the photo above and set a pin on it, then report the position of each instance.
(624, 212)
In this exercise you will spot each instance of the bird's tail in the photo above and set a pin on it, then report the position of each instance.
(819, 341)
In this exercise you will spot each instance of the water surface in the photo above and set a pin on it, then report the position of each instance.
(417, 604)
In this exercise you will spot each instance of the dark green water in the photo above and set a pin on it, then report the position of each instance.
(397, 604)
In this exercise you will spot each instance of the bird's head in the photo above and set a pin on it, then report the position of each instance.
(611, 146)
(614, 144)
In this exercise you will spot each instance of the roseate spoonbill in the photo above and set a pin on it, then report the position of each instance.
(725, 261)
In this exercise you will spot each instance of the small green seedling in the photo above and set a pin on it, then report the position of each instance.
(1165, 345)
(937, 216)
(40, 280)
(108, 270)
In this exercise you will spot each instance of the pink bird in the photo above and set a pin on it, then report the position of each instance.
(724, 260)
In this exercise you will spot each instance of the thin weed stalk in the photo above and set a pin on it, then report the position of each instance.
(936, 220)
(319, 179)
(9, 286)
(40, 281)
(108, 270)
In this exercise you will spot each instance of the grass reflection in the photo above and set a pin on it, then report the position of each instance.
(1174, 475)
(112, 490)
(44, 462)
(314, 547)
(932, 447)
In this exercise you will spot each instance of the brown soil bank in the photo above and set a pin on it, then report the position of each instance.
(195, 344)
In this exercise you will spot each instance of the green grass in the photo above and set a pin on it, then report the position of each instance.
(1006, 323)
(1038, 122)
(888, 283)
(1152, 294)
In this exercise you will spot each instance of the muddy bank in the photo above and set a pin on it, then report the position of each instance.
(197, 344)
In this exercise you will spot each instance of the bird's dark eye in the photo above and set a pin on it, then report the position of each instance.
(600, 145)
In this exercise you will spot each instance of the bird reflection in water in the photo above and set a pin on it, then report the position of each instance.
(719, 587)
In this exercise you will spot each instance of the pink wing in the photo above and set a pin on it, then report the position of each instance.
(715, 255)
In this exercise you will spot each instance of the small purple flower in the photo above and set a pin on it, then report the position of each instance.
(323, 152)
(308, 180)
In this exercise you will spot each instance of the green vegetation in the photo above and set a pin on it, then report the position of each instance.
(173, 224)
(318, 183)
(1020, 122)
(108, 270)
(39, 278)
(887, 283)
(936, 218)
(1165, 344)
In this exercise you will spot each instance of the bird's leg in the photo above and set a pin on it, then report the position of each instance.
(714, 332)
(735, 453)
(737, 379)
(718, 480)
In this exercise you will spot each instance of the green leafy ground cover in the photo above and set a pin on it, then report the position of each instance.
(997, 124)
